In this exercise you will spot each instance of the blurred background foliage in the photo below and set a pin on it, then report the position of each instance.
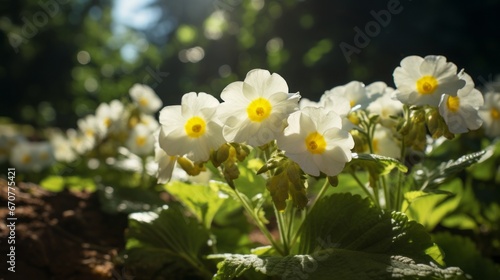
(61, 58)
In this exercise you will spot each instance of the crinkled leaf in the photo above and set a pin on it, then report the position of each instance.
(461, 251)
(350, 222)
(376, 165)
(346, 236)
(127, 200)
(203, 201)
(486, 170)
(323, 264)
(289, 182)
(165, 242)
(431, 179)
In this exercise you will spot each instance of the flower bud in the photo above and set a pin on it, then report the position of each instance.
(221, 155)
(189, 166)
(433, 122)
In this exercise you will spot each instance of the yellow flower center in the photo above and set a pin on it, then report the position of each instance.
(107, 122)
(89, 132)
(315, 143)
(140, 141)
(352, 103)
(132, 122)
(427, 85)
(453, 103)
(26, 159)
(495, 114)
(143, 101)
(195, 127)
(259, 109)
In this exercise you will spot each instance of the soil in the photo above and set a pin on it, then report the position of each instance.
(60, 236)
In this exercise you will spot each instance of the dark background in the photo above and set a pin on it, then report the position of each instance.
(42, 83)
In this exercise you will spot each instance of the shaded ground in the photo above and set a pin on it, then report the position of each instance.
(60, 236)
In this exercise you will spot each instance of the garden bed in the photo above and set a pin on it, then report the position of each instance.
(61, 235)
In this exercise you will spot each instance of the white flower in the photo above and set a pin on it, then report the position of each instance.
(7, 142)
(354, 92)
(166, 164)
(490, 113)
(422, 81)
(376, 89)
(32, 157)
(492, 84)
(316, 141)
(145, 98)
(461, 112)
(255, 109)
(191, 128)
(305, 102)
(384, 143)
(386, 106)
(79, 142)
(141, 140)
(335, 103)
(91, 127)
(62, 147)
(149, 121)
(108, 115)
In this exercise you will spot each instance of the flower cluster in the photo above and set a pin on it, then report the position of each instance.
(255, 112)
(435, 82)
(319, 138)
(114, 126)
(358, 105)
(431, 98)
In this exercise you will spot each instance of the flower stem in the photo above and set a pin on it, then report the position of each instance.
(387, 194)
(143, 175)
(399, 197)
(363, 187)
(281, 229)
(290, 222)
(322, 191)
(259, 223)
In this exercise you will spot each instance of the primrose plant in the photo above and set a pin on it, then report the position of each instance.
(249, 179)
(273, 155)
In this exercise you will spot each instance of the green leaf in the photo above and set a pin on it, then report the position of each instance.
(127, 200)
(347, 184)
(445, 171)
(461, 251)
(203, 201)
(59, 183)
(346, 236)
(80, 183)
(166, 242)
(429, 209)
(461, 221)
(248, 181)
(376, 165)
(53, 183)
